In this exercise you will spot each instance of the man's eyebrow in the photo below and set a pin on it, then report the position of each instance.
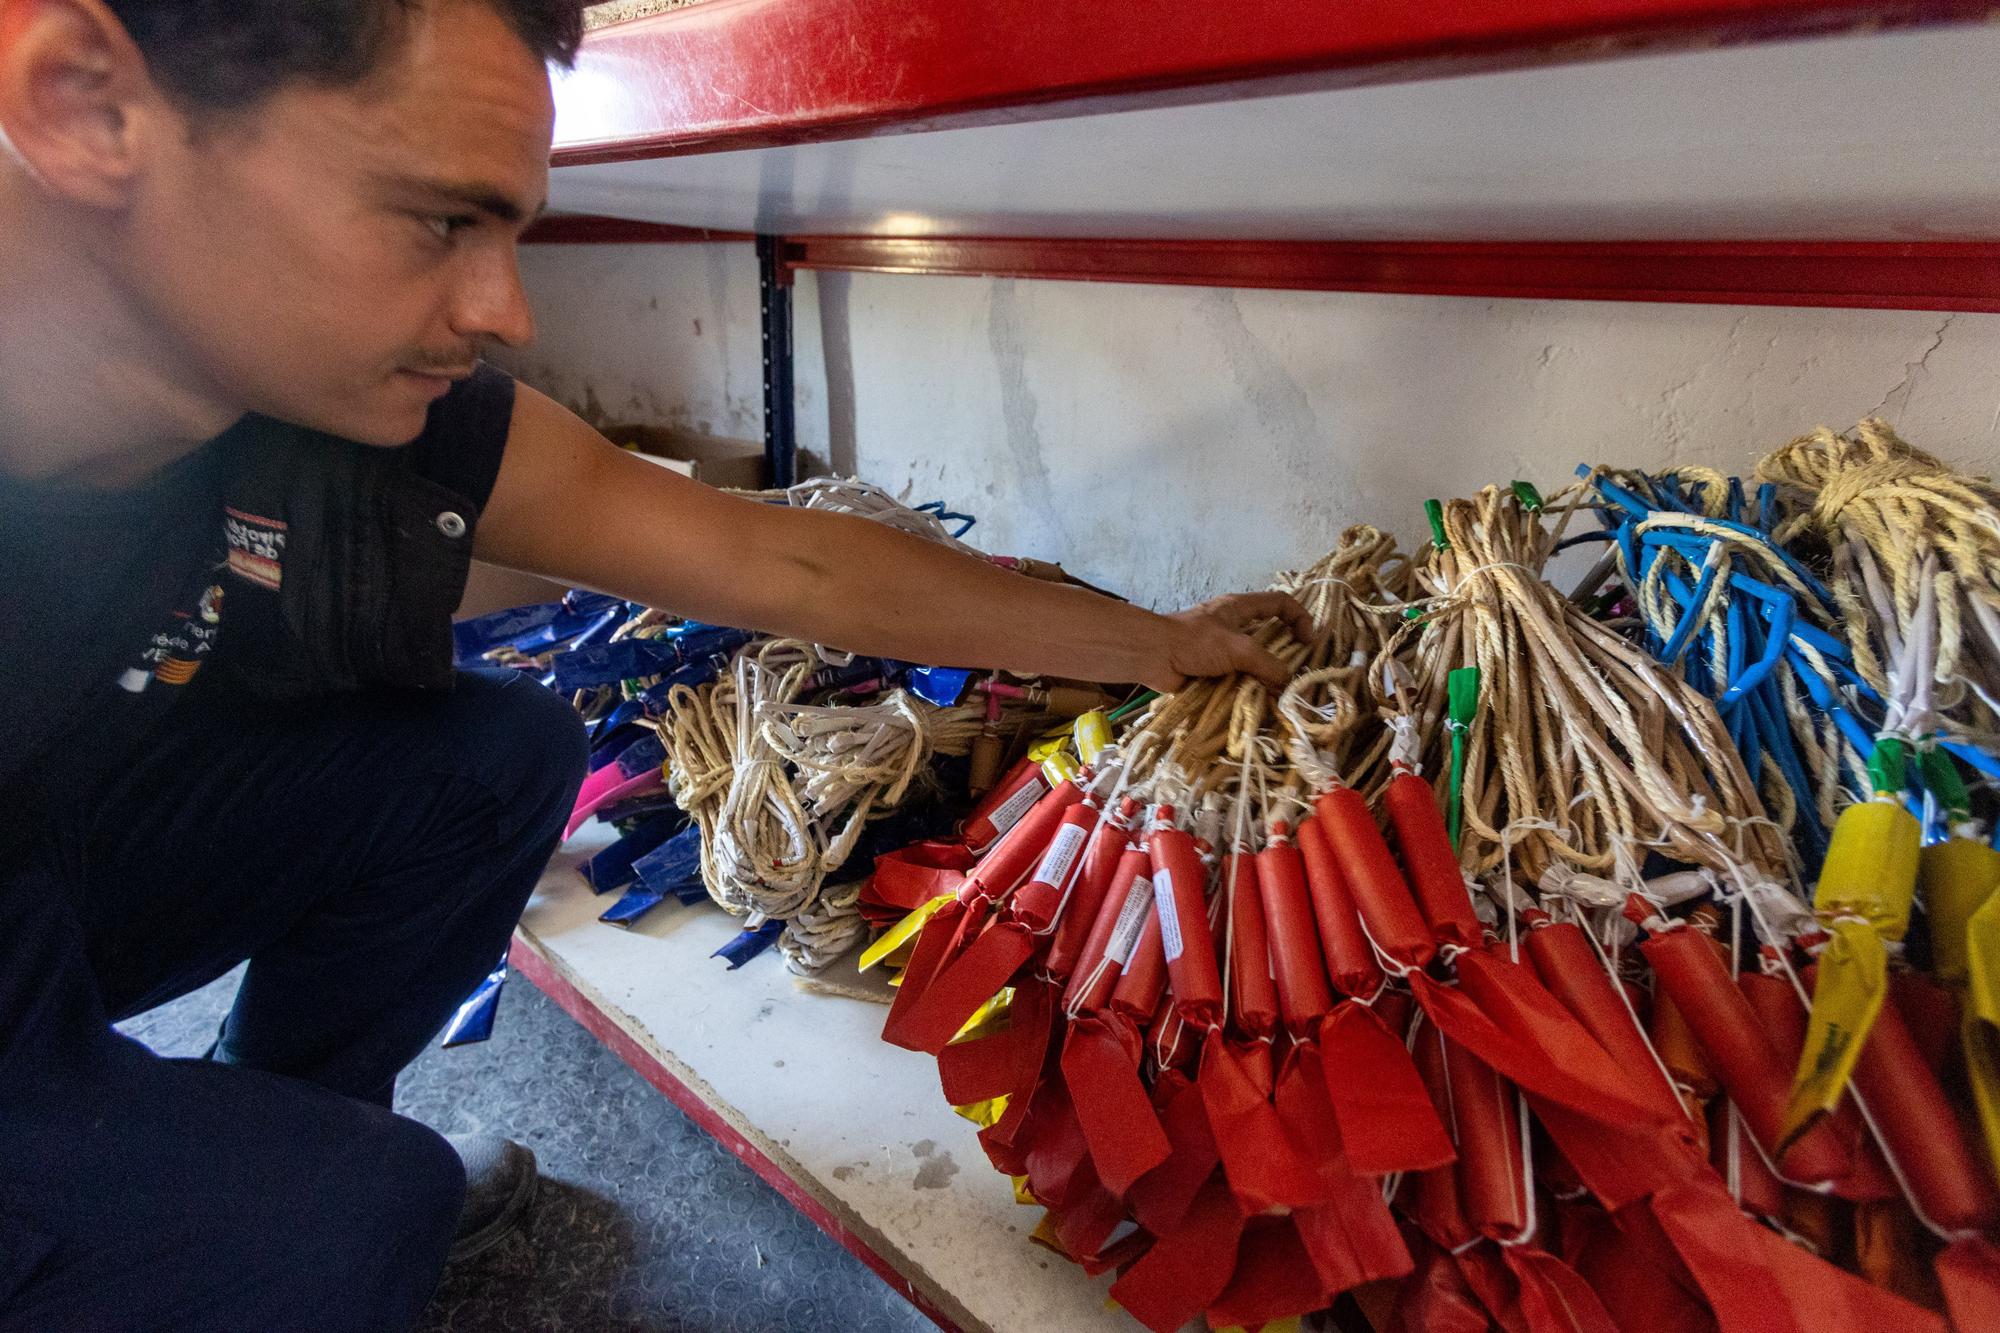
(487, 199)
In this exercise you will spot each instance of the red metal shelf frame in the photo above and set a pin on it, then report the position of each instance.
(1942, 275)
(732, 74)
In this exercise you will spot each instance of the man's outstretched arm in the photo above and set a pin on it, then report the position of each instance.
(571, 506)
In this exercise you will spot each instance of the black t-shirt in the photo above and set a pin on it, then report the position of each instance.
(115, 603)
(104, 589)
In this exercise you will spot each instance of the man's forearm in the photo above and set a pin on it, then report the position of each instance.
(872, 589)
(573, 508)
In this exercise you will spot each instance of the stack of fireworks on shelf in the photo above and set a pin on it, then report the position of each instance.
(1540, 957)
(763, 773)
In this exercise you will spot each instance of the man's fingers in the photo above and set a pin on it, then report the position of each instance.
(1244, 608)
(1247, 657)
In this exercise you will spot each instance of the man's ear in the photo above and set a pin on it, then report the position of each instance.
(76, 99)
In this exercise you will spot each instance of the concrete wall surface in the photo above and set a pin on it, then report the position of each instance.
(1172, 443)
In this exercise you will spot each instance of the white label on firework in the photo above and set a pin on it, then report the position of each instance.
(1008, 813)
(1131, 920)
(1170, 918)
(1062, 854)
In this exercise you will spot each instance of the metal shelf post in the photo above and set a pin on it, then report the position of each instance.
(774, 285)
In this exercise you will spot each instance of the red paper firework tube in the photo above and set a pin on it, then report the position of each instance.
(1171, 1042)
(1112, 935)
(1020, 848)
(1253, 995)
(1004, 806)
(1492, 1167)
(1035, 903)
(1919, 1130)
(1144, 980)
(945, 985)
(1694, 1081)
(1783, 1016)
(1431, 1196)
(1736, 1159)
(1180, 904)
(1689, 972)
(1381, 895)
(1349, 961)
(1108, 846)
(1570, 968)
(1432, 864)
(1303, 994)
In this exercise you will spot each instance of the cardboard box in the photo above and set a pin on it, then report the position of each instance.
(711, 459)
(730, 464)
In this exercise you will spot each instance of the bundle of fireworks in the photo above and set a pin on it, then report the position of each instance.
(1465, 980)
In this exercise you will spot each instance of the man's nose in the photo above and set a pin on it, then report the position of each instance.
(491, 303)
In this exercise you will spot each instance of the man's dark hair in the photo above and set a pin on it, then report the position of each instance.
(227, 54)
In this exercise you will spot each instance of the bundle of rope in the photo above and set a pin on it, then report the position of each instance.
(1915, 549)
(782, 790)
(1582, 751)
(1747, 623)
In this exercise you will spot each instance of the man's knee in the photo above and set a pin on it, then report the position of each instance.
(235, 1201)
(381, 1227)
(532, 745)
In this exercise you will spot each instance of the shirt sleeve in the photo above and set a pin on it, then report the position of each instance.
(465, 437)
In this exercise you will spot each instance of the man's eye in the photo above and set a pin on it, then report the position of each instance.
(445, 227)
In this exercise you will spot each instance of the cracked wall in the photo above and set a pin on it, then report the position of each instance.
(1176, 442)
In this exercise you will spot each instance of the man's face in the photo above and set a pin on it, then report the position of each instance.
(335, 257)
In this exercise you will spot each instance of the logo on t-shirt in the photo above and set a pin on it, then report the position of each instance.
(256, 547)
(175, 653)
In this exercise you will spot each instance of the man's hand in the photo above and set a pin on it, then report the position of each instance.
(1209, 640)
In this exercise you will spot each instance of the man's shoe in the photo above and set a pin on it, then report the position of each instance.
(499, 1185)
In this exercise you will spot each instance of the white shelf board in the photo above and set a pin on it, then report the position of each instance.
(1890, 136)
(807, 1079)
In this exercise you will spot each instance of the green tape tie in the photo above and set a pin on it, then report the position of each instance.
(1942, 780)
(1888, 767)
(1462, 689)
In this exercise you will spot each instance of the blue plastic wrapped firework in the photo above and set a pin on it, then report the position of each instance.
(608, 663)
(695, 673)
(631, 659)
(613, 743)
(642, 756)
(637, 807)
(612, 868)
(860, 669)
(583, 602)
(749, 944)
(638, 901)
(473, 1020)
(673, 863)
(628, 712)
(943, 686)
(479, 635)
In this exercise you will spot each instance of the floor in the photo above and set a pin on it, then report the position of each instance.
(643, 1225)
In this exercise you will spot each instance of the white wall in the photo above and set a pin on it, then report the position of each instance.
(1175, 442)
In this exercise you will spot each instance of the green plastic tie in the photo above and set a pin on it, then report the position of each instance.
(1530, 498)
(1888, 766)
(1462, 690)
(1125, 710)
(1434, 511)
(1942, 780)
